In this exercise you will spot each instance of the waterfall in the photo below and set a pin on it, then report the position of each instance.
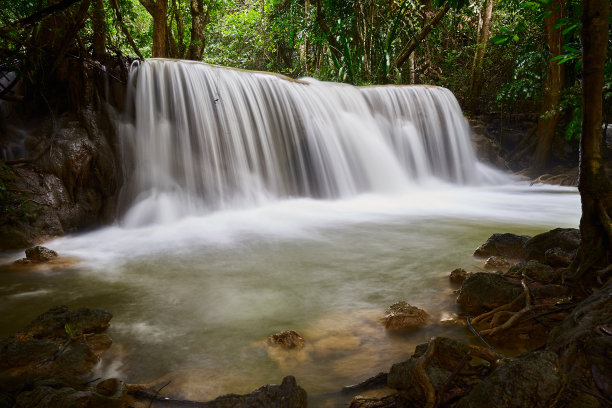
(201, 138)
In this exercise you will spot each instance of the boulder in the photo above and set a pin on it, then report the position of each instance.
(567, 239)
(446, 357)
(505, 245)
(557, 257)
(286, 395)
(289, 340)
(54, 323)
(497, 263)
(532, 380)
(459, 275)
(534, 270)
(40, 254)
(483, 291)
(402, 316)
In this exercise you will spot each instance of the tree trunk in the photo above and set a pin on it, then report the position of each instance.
(199, 21)
(549, 111)
(485, 32)
(158, 10)
(595, 252)
(99, 28)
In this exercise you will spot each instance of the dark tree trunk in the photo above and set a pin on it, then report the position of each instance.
(549, 112)
(159, 11)
(485, 32)
(200, 19)
(595, 252)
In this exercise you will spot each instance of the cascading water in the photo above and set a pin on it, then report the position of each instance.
(204, 138)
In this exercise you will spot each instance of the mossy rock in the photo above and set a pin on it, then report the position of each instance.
(484, 291)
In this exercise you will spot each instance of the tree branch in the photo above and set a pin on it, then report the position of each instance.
(414, 43)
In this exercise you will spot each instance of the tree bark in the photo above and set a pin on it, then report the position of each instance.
(158, 10)
(483, 39)
(414, 43)
(595, 252)
(99, 28)
(549, 111)
(199, 21)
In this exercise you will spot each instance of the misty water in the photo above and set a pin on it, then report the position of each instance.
(223, 237)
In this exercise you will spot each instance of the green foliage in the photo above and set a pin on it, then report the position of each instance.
(15, 206)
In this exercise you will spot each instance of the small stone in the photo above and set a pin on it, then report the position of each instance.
(497, 263)
(40, 254)
(402, 316)
(459, 275)
(289, 340)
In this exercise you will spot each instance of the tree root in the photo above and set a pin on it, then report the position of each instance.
(421, 376)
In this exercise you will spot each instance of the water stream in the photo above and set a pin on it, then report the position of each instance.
(254, 204)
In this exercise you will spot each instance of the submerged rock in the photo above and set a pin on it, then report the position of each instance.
(58, 343)
(40, 254)
(534, 270)
(566, 239)
(497, 263)
(483, 291)
(459, 275)
(533, 380)
(402, 316)
(504, 245)
(53, 323)
(289, 340)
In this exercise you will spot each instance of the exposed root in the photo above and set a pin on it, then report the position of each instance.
(502, 308)
(515, 317)
(440, 400)
(422, 378)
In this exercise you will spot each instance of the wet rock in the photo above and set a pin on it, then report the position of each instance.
(76, 360)
(505, 245)
(533, 380)
(390, 401)
(48, 397)
(557, 257)
(40, 254)
(53, 323)
(567, 239)
(28, 351)
(459, 275)
(446, 356)
(534, 270)
(286, 395)
(289, 340)
(497, 263)
(402, 316)
(483, 291)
